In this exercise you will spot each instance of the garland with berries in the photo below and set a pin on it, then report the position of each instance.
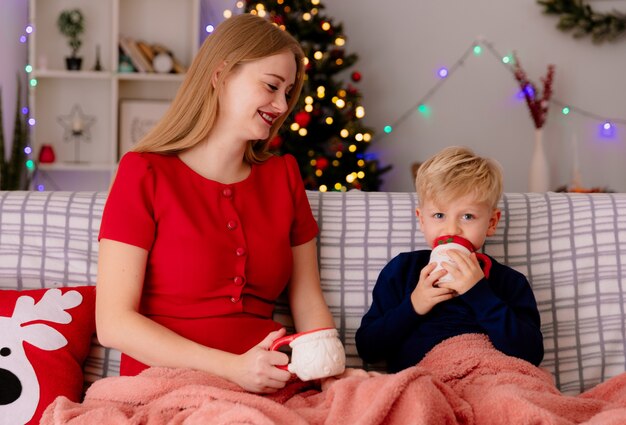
(583, 20)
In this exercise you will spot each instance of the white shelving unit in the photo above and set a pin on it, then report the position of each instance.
(171, 23)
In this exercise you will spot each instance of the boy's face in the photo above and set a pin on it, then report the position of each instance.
(464, 217)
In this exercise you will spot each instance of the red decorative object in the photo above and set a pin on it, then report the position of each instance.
(321, 163)
(303, 118)
(537, 105)
(278, 20)
(276, 142)
(336, 145)
(46, 154)
(356, 76)
(53, 330)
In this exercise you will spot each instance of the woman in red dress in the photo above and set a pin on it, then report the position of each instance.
(203, 228)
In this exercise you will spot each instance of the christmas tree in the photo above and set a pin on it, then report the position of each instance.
(325, 132)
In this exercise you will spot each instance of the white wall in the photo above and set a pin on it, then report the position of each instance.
(402, 43)
(13, 57)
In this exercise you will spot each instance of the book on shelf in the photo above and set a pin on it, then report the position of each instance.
(146, 50)
(130, 48)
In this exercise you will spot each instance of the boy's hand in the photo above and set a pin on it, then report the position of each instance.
(426, 295)
(465, 273)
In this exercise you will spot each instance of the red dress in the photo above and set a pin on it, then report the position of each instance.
(219, 254)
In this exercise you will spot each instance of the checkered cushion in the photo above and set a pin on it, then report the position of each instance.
(572, 247)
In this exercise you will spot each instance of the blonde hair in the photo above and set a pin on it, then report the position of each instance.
(456, 171)
(194, 110)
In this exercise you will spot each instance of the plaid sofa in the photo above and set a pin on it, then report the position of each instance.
(572, 248)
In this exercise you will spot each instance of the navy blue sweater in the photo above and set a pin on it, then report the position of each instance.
(503, 307)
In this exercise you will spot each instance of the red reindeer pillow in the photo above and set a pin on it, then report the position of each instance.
(45, 335)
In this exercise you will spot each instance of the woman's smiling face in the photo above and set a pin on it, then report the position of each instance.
(255, 94)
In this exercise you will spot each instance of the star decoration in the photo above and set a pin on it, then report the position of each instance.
(77, 127)
(76, 124)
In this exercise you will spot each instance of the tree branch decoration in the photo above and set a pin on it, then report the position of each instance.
(583, 20)
(13, 171)
(537, 103)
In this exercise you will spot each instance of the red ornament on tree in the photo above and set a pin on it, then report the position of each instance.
(352, 90)
(356, 76)
(276, 142)
(278, 20)
(336, 145)
(303, 118)
(321, 163)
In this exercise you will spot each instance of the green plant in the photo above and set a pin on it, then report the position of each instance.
(579, 17)
(13, 172)
(71, 23)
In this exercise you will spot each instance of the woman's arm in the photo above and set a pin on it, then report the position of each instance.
(308, 306)
(121, 269)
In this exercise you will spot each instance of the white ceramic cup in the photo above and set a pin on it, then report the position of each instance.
(314, 354)
(439, 254)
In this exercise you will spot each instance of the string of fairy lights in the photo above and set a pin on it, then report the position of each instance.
(28, 150)
(607, 125)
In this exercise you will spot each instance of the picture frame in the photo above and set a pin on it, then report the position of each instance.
(136, 118)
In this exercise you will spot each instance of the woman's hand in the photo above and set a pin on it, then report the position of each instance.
(256, 371)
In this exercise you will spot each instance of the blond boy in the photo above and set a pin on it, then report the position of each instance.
(412, 310)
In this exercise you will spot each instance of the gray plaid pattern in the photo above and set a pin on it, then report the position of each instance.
(572, 248)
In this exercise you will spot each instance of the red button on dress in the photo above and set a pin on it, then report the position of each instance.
(227, 192)
(239, 280)
(231, 225)
(240, 252)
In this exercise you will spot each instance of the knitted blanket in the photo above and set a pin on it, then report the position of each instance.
(463, 380)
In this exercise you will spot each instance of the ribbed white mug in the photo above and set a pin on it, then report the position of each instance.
(314, 354)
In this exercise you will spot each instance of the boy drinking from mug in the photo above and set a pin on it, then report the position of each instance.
(413, 310)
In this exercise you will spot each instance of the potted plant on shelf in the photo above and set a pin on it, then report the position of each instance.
(71, 23)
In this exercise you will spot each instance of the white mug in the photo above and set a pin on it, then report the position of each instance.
(439, 254)
(314, 354)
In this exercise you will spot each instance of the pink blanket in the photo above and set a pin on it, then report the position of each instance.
(463, 380)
